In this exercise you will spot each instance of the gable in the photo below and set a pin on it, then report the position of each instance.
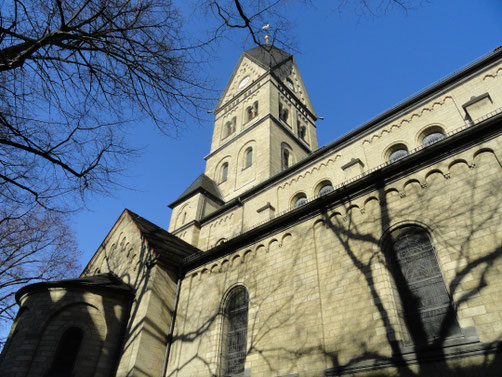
(291, 73)
(244, 68)
(132, 244)
(123, 252)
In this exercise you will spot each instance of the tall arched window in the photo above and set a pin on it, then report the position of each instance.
(302, 131)
(235, 330)
(66, 353)
(224, 172)
(286, 156)
(426, 307)
(248, 158)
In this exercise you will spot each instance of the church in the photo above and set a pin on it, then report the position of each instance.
(379, 254)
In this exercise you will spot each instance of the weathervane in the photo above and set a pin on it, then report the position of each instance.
(267, 37)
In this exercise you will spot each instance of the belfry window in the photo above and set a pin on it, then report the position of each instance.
(224, 172)
(425, 304)
(248, 158)
(252, 111)
(283, 113)
(229, 127)
(302, 131)
(235, 330)
(66, 353)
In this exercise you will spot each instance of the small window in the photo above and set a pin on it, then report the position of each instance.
(397, 152)
(300, 200)
(235, 331)
(252, 111)
(283, 113)
(326, 188)
(290, 84)
(229, 127)
(286, 159)
(66, 354)
(432, 138)
(248, 158)
(224, 172)
(302, 131)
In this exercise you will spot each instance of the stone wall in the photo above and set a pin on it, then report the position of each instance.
(323, 296)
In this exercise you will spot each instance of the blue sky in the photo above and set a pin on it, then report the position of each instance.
(354, 68)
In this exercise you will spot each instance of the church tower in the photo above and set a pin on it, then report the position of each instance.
(264, 123)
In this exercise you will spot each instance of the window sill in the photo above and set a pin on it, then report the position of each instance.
(469, 337)
(464, 346)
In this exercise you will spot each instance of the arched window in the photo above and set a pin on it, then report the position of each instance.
(426, 307)
(397, 152)
(283, 113)
(229, 127)
(302, 131)
(325, 188)
(299, 200)
(252, 111)
(248, 158)
(224, 172)
(66, 353)
(432, 135)
(235, 330)
(286, 156)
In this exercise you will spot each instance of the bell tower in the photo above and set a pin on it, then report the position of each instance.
(264, 122)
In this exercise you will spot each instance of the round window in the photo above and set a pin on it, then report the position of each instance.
(290, 84)
(243, 82)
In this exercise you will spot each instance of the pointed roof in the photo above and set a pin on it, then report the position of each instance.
(164, 245)
(268, 56)
(204, 185)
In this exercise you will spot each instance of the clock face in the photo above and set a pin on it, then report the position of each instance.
(243, 82)
(290, 84)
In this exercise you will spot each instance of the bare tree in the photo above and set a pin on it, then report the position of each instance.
(262, 18)
(72, 74)
(34, 246)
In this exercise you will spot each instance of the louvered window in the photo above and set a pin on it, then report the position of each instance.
(235, 332)
(426, 307)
